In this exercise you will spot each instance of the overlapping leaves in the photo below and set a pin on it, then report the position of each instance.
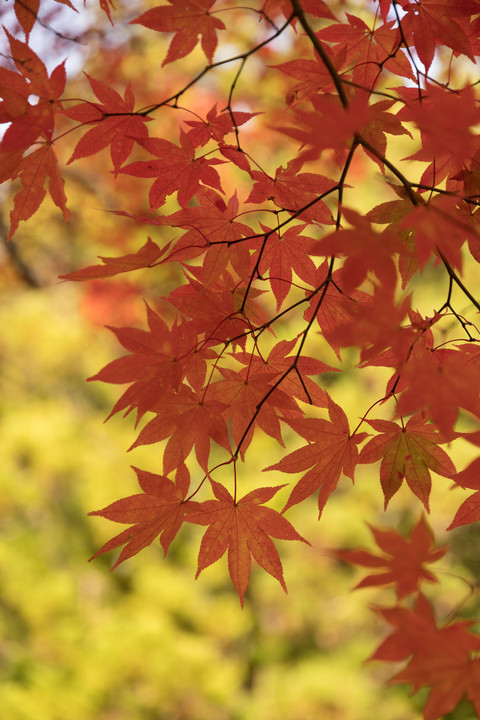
(218, 362)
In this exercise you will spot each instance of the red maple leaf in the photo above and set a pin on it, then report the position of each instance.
(147, 256)
(9, 162)
(382, 123)
(419, 331)
(329, 125)
(159, 360)
(365, 250)
(408, 451)
(368, 50)
(336, 308)
(29, 120)
(331, 450)
(392, 213)
(26, 12)
(212, 228)
(317, 8)
(14, 92)
(385, 6)
(244, 527)
(403, 562)
(438, 226)
(292, 190)
(187, 21)
(444, 160)
(175, 169)
(158, 511)
(444, 659)
(374, 326)
(105, 5)
(469, 510)
(216, 125)
(188, 419)
(209, 367)
(296, 383)
(34, 171)
(116, 124)
(235, 155)
(441, 381)
(441, 113)
(253, 400)
(430, 22)
(282, 255)
(313, 76)
(216, 311)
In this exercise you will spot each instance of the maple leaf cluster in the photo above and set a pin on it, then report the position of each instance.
(276, 272)
(443, 659)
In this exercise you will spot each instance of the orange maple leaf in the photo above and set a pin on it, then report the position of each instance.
(331, 450)
(189, 420)
(403, 560)
(244, 528)
(443, 658)
(159, 510)
(407, 451)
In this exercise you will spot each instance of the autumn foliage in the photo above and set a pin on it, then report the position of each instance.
(252, 245)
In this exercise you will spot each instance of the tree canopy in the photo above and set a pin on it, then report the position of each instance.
(283, 189)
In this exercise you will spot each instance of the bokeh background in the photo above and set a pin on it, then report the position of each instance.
(148, 641)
